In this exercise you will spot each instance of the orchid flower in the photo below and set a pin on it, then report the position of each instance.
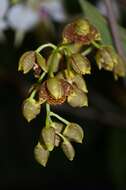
(22, 19)
(4, 4)
(54, 9)
(23, 16)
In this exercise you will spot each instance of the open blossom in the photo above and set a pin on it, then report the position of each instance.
(3, 25)
(21, 17)
(54, 9)
(4, 4)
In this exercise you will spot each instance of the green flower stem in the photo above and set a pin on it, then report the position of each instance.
(60, 135)
(40, 79)
(64, 46)
(98, 46)
(42, 76)
(68, 68)
(33, 94)
(40, 48)
(58, 49)
(51, 74)
(48, 108)
(87, 51)
(67, 53)
(48, 119)
(59, 117)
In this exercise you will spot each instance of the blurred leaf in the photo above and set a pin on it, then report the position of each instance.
(123, 36)
(96, 18)
(19, 37)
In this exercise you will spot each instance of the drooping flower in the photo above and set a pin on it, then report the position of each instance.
(31, 108)
(80, 64)
(74, 132)
(68, 149)
(54, 9)
(41, 154)
(105, 58)
(80, 31)
(48, 136)
(54, 91)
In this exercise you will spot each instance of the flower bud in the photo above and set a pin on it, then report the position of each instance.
(68, 149)
(67, 87)
(73, 79)
(80, 64)
(69, 75)
(41, 62)
(58, 128)
(48, 135)
(77, 98)
(74, 132)
(80, 31)
(26, 62)
(55, 88)
(119, 67)
(54, 61)
(80, 83)
(105, 58)
(60, 75)
(41, 154)
(31, 108)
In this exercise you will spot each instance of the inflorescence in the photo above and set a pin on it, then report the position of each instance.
(60, 78)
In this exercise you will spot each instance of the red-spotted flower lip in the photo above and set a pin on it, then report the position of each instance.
(45, 94)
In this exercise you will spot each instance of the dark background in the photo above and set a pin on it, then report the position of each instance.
(100, 162)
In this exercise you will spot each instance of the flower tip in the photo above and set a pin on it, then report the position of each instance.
(71, 159)
(50, 147)
(80, 141)
(19, 68)
(28, 120)
(44, 165)
(86, 103)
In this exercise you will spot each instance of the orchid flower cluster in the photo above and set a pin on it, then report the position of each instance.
(60, 78)
(22, 16)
